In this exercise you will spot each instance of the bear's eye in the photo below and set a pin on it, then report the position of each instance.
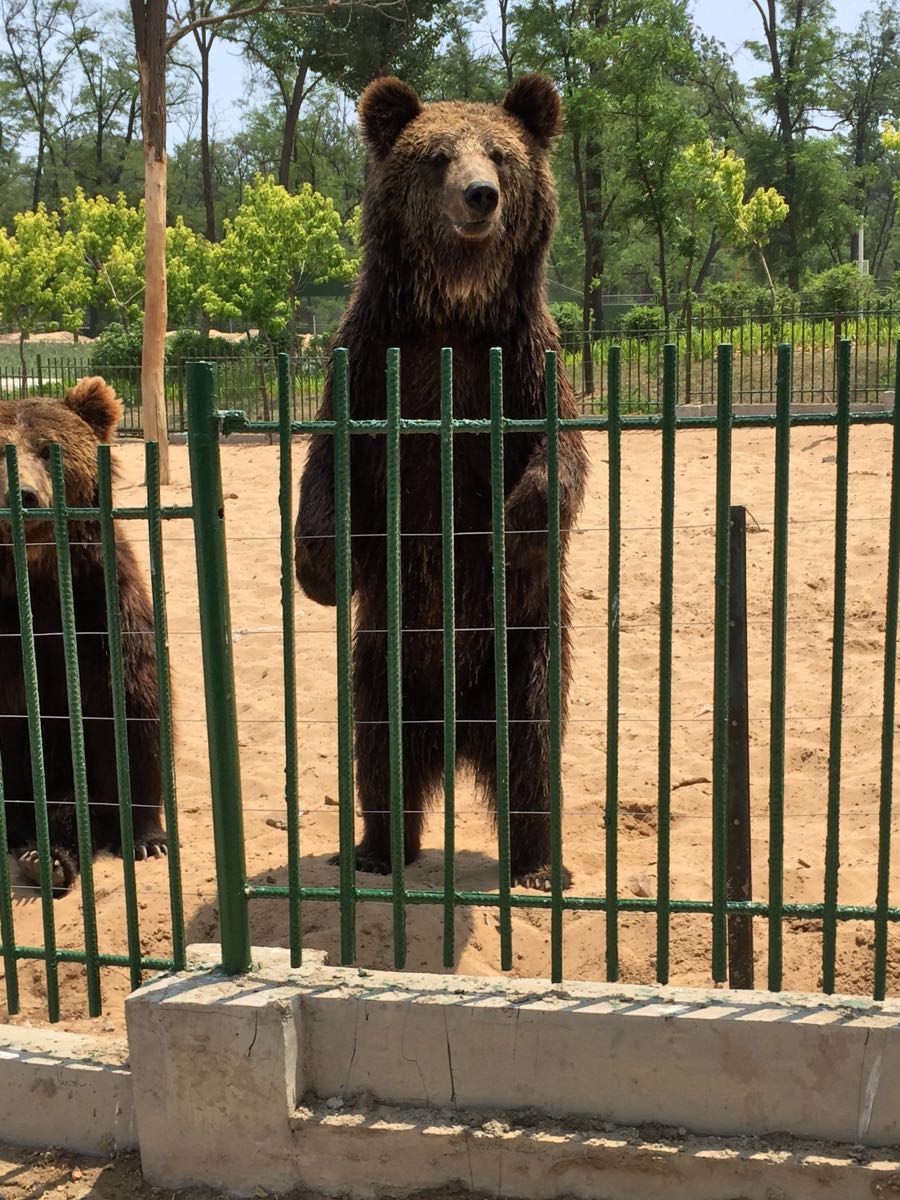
(498, 157)
(439, 158)
(44, 453)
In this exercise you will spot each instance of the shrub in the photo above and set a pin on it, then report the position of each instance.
(568, 316)
(191, 343)
(117, 346)
(840, 289)
(642, 320)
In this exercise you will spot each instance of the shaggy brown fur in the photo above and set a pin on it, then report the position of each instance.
(86, 417)
(458, 215)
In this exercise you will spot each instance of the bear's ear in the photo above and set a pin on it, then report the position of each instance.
(534, 100)
(386, 107)
(97, 404)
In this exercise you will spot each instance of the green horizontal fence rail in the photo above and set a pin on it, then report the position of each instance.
(208, 425)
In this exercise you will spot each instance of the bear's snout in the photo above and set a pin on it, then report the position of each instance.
(482, 197)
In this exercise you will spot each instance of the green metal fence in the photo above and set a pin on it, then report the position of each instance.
(208, 424)
(90, 525)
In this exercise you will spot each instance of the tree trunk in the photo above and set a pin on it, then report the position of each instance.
(209, 204)
(150, 43)
(587, 358)
(289, 134)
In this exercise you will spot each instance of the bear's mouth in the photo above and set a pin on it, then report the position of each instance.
(475, 229)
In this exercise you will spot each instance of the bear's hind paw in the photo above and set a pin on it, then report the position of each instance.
(539, 879)
(365, 861)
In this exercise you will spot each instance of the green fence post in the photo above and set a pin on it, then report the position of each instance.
(218, 670)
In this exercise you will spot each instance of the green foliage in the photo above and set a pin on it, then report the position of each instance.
(188, 258)
(275, 243)
(839, 289)
(642, 320)
(42, 277)
(117, 346)
(193, 343)
(110, 238)
(568, 316)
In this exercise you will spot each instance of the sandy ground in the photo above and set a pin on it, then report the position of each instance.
(29, 1175)
(250, 474)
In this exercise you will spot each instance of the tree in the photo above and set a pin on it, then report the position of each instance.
(39, 48)
(866, 90)
(713, 183)
(188, 256)
(798, 50)
(276, 243)
(106, 108)
(156, 34)
(43, 281)
(109, 236)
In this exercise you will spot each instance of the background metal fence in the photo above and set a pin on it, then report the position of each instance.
(250, 382)
(207, 424)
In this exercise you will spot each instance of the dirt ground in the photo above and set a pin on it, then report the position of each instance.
(32, 1174)
(250, 484)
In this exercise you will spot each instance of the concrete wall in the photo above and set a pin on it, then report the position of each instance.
(65, 1090)
(369, 1084)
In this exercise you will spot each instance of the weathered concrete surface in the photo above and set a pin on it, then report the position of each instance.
(223, 1067)
(395, 1151)
(65, 1090)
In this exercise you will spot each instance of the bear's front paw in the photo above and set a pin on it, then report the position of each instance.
(63, 869)
(151, 845)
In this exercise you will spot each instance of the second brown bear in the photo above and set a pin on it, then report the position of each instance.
(458, 214)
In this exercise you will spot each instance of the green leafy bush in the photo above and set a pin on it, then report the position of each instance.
(642, 321)
(840, 289)
(117, 346)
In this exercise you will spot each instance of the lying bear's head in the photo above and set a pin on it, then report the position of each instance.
(79, 423)
(459, 191)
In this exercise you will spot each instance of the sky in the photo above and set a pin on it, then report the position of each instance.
(731, 21)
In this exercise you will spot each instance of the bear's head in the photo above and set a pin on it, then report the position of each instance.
(79, 423)
(460, 196)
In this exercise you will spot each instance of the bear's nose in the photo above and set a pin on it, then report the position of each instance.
(482, 197)
(30, 498)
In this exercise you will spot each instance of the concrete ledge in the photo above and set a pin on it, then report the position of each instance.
(65, 1090)
(399, 1151)
(223, 1066)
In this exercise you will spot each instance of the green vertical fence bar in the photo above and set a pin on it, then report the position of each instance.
(76, 729)
(7, 928)
(666, 612)
(120, 714)
(395, 656)
(35, 737)
(449, 634)
(720, 682)
(501, 674)
(554, 564)
(882, 895)
(218, 669)
(164, 694)
(779, 653)
(612, 663)
(833, 818)
(343, 594)
(288, 641)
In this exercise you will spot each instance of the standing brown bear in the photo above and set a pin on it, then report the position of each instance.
(458, 213)
(86, 417)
